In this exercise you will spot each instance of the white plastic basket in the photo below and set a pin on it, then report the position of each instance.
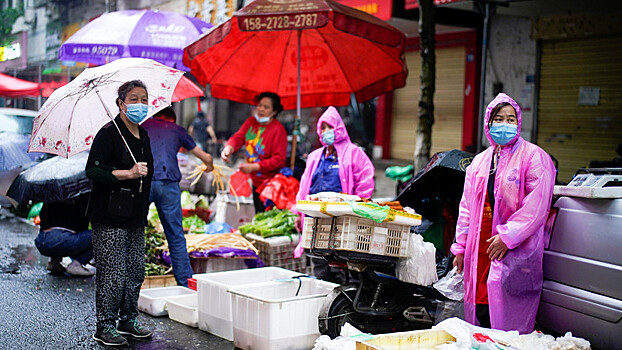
(153, 300)
(214, 301)
(272, 316)
(358, 235)
(184, 309)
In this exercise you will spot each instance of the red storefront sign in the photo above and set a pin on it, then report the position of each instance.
(413, 4)
(379, 8)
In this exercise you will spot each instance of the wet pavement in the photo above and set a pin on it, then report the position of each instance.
(41, 311)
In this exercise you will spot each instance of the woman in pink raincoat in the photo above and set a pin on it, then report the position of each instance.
(500, 230)
(338, 166)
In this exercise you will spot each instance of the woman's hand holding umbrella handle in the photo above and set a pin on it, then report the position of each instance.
(139, 170)
(459, 262)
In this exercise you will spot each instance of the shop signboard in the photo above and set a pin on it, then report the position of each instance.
(14, 56)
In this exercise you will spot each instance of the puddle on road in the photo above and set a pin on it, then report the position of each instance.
(22, 255)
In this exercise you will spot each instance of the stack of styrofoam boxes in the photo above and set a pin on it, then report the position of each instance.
(279, 314)
(215, 315)
(279, 251)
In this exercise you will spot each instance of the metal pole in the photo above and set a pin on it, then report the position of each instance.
(482, 90)
(39, 81)
(292, 159)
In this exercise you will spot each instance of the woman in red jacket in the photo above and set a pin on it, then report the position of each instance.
(265, 143)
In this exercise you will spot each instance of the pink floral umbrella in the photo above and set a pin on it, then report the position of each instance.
(69, 119)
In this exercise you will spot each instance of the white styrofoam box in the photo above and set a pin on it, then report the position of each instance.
(214, 301)
(184, 309)
(227, 211)
(272, 315)
(153, 300)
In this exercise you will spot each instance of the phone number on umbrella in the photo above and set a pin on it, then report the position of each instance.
(282, 22)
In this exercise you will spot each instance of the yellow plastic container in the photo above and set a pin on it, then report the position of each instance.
(419, 340)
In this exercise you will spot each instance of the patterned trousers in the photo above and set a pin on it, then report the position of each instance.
(120, 260)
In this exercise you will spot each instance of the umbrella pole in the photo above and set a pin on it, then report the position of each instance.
(140, 188)
(295, 132)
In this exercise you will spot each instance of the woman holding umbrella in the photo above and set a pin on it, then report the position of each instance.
(500, 229)
(121, 166)
(265, 141)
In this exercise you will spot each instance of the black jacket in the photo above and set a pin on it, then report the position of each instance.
(109, 153)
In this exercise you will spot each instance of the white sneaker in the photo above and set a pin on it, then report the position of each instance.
(76, 269)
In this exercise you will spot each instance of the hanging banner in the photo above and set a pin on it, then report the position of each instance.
(413, 4)
(14, 56)
(211, 11)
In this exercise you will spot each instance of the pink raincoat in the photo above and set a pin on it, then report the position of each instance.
(356, 171)
(523, 189)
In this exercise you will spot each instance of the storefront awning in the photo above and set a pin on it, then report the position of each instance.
(13, 87)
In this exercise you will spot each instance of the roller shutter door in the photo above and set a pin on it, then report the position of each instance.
(448, 104)
(572, 133)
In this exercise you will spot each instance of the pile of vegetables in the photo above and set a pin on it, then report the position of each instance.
(154, 265)
(271, 223)
(193, 222)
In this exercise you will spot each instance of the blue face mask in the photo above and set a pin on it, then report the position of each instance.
(262, 119)
(136, 113)
(328, 137)
(502, 133)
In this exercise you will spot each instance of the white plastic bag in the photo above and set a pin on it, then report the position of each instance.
(452, 285)
(420, 265)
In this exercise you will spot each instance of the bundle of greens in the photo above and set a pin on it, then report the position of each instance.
(153, 256)
(271, 223)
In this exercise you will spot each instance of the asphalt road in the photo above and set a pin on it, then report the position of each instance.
(41, 311)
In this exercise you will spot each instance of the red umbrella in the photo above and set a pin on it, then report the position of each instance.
(185, 89)
(342, 51)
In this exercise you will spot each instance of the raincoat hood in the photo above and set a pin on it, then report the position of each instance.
(331, 117)
(498, 100)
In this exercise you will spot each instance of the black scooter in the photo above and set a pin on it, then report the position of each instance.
(371, 297)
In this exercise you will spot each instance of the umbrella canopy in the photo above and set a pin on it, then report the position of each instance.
(158, 35)
(341, 51)
(68, 121)
(442, 177)
(12, 87)
(52, 180)
(12, 152)
(185, 89)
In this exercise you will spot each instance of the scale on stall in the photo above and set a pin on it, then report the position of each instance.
(593, 183)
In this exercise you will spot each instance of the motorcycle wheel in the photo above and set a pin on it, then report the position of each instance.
(340, 312)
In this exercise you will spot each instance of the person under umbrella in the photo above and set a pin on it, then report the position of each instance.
(120, 164)
(64, 231)
(201, 131)
(500, 230)
(265, 141)
(338, 166)
(166, 138)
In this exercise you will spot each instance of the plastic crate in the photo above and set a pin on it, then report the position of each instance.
(272, 316)
(214, 301)
(279, 251)
(192, 284)
(184, 309)
(216, 264)
(357, 235)
(153, 301)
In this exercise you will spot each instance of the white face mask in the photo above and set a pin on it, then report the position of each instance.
(262, 119)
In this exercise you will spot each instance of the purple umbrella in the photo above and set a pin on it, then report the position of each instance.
(158, 35)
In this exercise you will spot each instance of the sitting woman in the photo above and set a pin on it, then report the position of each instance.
(338, 166)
